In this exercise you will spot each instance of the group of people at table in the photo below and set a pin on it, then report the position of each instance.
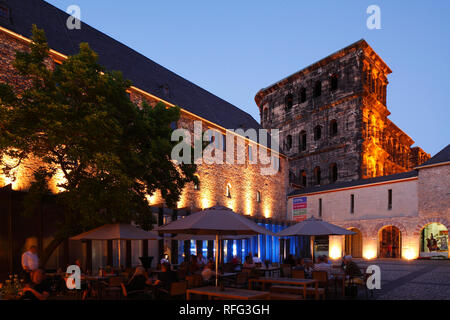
(38, 287)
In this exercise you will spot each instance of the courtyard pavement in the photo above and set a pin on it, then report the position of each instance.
(408, 280)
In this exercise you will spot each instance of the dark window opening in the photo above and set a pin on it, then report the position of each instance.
(303, 177)
(333, 172)
(258, 196)
(265, 114)
(320, 207)
(390, 199)
(317, 89)
(302, 141)
(352, 203)
(317, 133)
(302, 95)
(317, 175)
(288, 142)
(333, 82)
(333, 128)
(289, 101)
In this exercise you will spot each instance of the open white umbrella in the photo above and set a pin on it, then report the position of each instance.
(218, 221)
(117, 231)
(313, 227)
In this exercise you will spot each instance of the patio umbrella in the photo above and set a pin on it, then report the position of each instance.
(117, 231)
(313, 227)
(218, 221)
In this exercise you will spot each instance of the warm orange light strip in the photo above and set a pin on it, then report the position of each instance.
(64, 57)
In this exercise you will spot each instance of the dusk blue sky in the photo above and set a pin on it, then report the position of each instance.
(234, 48)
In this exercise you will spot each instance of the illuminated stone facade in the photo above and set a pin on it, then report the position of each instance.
(406, 202)
(333, 119)
(244, 180)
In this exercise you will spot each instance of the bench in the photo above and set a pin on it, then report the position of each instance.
(284, 296)
(287, 289)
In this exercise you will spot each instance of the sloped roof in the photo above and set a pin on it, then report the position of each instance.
(440, 157)
(355, 183)
(145, 74)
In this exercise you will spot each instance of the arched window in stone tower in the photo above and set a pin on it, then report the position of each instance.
(303, 177)
(289, 101)
(289, 142)
(317, 175)
(317, 89)
(302, 140)
(333, 128)
(333, 172)
(317, 133)
(302, 95)
(333, 82)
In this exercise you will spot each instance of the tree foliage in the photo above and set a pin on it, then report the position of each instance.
(78, 119)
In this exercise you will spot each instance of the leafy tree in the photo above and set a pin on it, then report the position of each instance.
(78, 119)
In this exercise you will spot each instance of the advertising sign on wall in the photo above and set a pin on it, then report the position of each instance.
(299, 208)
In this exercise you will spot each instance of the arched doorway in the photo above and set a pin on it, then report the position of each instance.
(390, 242)
(434, 241)
(353, 243)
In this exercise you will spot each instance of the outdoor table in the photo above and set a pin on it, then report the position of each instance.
(269, 270)
(339, 277)
(228, 293)
(287, 281)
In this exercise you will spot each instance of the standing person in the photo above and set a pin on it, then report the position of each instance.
(30, 262)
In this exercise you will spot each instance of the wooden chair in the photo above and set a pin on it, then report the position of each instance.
(298, 274)
(286, 270)
(194, 281)
(241, 280)
(322, 278)
(280, 292)
(176, 290)
(113, 287)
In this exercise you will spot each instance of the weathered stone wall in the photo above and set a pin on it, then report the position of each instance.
(434, 191)
(351, 111)
(245, 180)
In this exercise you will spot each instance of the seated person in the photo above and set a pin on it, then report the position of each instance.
(194, 267)
(139, 281)
(208, 273)
(299, 264)
(256, 259)
(248, 264)
(321, 265)
(201, 260)
(351, 268)
(166, 277)
(290, 260)
(38, 288)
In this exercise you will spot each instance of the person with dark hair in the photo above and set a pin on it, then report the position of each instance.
(290, 260)
(38, 288)
(166, 277)
(138, 281)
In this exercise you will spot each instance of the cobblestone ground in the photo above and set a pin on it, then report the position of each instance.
(408, 280)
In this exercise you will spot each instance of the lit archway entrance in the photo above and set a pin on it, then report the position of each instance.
(390, 242)
(434, 241)
(353, 243)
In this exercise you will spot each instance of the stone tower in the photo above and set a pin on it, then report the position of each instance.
(333, 120)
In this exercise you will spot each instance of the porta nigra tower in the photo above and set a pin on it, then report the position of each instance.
(333, 120)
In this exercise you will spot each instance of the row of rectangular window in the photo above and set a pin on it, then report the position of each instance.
(352, 203)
